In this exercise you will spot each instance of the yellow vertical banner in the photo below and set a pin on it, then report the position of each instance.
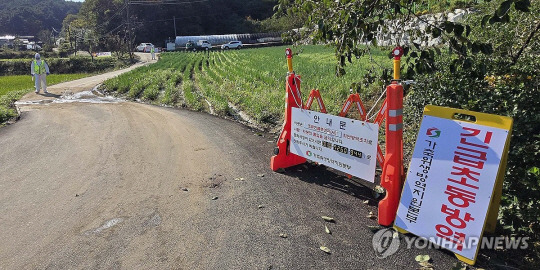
(454, 182)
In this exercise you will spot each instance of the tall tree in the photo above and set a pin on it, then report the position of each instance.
(29, 17)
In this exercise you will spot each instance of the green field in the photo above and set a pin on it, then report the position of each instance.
(14, 87)
(251, 79)
(22, 82)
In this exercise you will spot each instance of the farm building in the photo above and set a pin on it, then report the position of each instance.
(222, 39)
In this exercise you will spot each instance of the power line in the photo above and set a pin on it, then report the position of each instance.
(116, 14)
(165, 2)
(113, 30)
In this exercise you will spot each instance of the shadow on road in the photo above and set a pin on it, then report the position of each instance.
(329, 178)
(49, 94)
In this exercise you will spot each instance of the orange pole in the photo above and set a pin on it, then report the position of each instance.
(392, 175)
(397, 67)
(397, 52)
(289, 61)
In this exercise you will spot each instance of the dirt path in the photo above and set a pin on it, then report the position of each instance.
(97, 184)
(84, 84)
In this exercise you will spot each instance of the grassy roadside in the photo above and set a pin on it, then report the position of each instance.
(13, 88)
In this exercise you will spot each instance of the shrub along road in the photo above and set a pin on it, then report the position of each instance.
(133, 186)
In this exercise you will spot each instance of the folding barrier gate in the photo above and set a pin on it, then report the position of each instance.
(392, 177)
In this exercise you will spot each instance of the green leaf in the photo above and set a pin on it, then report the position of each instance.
(534, 171)
(448, 27)
(369, 37)
(327, 230)
(485, 19)
(494, 19)
(422, 258)
(475, 48)
(458, 30)
(503, 8)
(321, 24)
(523, 5)
(459, 266)
(436, 32)
(467, 64)
(505, 18)
(486, 48)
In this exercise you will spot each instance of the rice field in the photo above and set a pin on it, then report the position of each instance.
(24, 82)
(252, 80)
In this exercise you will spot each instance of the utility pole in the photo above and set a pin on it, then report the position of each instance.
(174, 20)
(129, 45)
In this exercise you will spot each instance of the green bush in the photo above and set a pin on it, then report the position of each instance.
(502, 83)
(7, 110)
(6, 53)
(59, 65)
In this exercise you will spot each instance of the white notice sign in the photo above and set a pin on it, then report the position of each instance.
(341, 143)
(450, 182)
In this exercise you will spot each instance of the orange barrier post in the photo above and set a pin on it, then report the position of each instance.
(283, 158)
(392, 175)
(315, 95)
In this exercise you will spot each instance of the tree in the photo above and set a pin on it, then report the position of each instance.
(97, 26)
(348, 25)
(29, 17)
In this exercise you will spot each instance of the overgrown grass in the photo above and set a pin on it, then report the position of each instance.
(251, 79)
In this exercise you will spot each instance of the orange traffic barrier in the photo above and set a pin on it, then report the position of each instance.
(315, 95)
(353, 99)
(283, 158)
(393, 174)
(392, 109)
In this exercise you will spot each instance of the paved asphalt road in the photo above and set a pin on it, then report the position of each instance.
(89, 185)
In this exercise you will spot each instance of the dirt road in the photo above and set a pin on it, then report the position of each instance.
(93, 183)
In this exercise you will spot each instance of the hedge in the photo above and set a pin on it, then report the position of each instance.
(59, 65)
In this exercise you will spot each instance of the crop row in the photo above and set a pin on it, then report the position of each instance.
(252, 80)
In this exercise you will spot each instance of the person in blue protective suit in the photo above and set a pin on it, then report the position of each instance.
(39, 70)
